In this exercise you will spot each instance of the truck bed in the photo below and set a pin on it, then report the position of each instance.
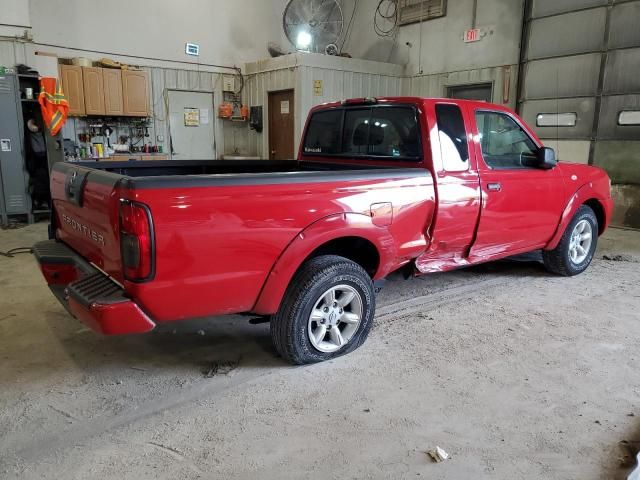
(219, 227)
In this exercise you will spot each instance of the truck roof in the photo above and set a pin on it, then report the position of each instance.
(411, 100)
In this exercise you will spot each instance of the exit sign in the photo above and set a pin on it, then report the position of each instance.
(472, 35)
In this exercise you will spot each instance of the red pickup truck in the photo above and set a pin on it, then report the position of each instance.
(379, 184)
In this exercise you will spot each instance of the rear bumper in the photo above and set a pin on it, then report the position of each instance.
(87, 293)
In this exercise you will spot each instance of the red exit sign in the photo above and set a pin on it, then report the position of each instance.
(472, 35)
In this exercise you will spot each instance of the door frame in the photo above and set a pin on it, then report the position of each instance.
(293, 136)
(218, 134)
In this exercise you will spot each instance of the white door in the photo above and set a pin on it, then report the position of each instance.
(191, 125)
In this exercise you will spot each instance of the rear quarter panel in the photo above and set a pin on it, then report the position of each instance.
(217, 245)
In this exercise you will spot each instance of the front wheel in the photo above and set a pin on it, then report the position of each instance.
(327, 311)
(575, 251)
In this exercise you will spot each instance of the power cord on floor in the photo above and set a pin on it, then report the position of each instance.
(16, 251)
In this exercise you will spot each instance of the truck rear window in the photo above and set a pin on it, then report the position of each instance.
(382, 131)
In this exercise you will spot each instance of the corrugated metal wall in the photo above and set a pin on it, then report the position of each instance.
(276, 75)
(340, 78)
(12, 53)
(503, 80)
(162, 80)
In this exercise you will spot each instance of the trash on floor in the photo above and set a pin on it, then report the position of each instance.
(220, 368)
(619, 258)
(438, 455)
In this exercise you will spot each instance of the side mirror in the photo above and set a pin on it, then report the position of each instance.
(546, 158)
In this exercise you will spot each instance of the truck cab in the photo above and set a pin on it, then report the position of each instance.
(499, 191)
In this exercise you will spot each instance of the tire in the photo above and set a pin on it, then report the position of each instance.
(563, 260)
(309, 292)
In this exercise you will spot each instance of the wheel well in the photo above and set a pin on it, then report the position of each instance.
(356, 249)
(598, 209)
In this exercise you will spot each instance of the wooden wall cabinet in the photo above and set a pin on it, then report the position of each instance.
(73, 88)
(135, 91)
(105, 91)
(113, 99)
(93, 90)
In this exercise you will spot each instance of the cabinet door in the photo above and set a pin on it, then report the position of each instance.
(73, 89)
(93, 90)
(113, 104)
(135, 90)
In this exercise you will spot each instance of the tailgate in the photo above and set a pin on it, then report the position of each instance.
(86, 203)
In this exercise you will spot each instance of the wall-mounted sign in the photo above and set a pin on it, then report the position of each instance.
(5, 144)
(284, 107)
(317, 88)
(473, 35)
(192, 49)
(191, 117)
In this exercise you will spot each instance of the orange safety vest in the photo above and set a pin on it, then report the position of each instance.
(53, 103)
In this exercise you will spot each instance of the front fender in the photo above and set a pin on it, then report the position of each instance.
(315, 235)
(585, 193)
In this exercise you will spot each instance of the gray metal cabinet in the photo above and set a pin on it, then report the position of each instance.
(14, 195)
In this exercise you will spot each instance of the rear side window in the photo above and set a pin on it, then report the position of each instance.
(454, 145)
(384, 131)
(323, 134)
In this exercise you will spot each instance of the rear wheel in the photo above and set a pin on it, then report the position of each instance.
(575, 251)
(327, 311)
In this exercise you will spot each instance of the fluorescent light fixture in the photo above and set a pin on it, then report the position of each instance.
(629, 117)
(303, 42)
(556, 119)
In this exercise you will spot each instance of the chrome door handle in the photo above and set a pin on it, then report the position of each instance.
(494, 187)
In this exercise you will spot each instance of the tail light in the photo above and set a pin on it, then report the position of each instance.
(136, 241)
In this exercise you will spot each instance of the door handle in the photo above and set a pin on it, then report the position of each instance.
(494, 187)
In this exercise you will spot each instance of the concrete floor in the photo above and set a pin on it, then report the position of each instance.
(514, 372)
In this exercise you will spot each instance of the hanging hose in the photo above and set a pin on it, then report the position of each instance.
(386, 12)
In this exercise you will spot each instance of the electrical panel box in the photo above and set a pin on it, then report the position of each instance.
(228, 83)
(255, 118)
(14, 182)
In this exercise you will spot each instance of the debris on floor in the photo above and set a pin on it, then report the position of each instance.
(220, 368)
(619, 258)
(438, 455)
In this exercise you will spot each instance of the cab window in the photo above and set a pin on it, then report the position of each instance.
(504, 143)
(390, 132)
(323, 134)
